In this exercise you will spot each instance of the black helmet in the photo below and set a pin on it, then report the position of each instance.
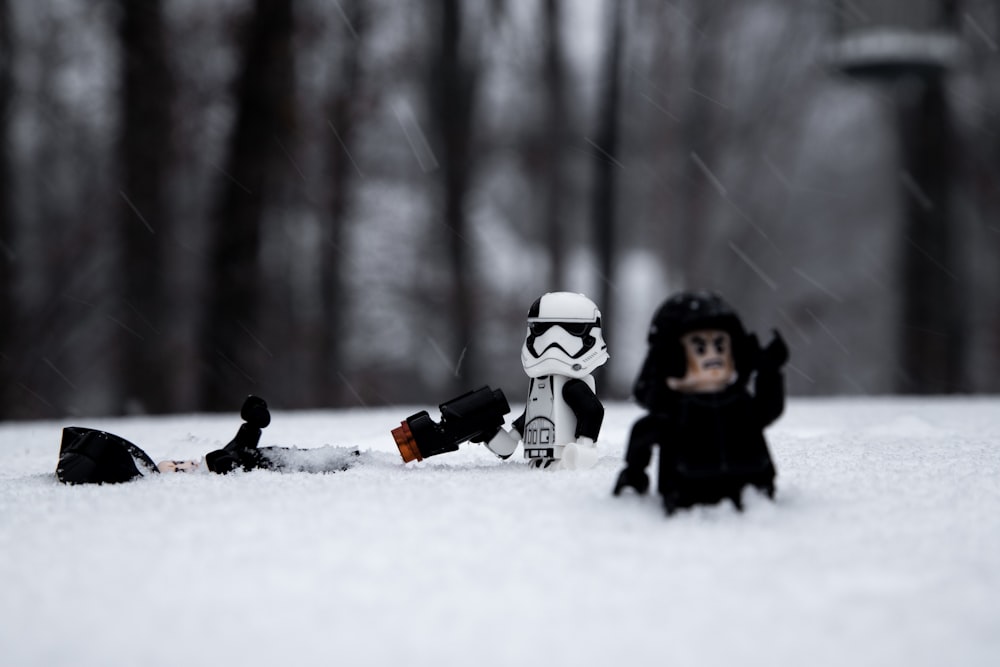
(680, 314)
(690, 311)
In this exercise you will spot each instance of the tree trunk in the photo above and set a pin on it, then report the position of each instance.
(691, 242)
(453, 93)
(932, 332)
(9, 324)
(342, 170)
(606, 165)
(557, 119)
(145, 150)
(232, 354)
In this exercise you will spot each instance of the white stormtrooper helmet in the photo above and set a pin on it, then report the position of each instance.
(564, 336)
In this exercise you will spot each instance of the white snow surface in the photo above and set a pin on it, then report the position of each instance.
(882, 548)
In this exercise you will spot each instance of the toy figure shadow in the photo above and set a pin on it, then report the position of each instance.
(702, 415)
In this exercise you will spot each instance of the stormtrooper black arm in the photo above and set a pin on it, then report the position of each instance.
(588, 409)
(518, 424)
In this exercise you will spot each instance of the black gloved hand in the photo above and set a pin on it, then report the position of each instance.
(222, 461)
(254, 412)
(775, 355)
(242, 452)
(634, 477)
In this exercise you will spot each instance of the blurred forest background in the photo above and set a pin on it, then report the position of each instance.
(354, 202)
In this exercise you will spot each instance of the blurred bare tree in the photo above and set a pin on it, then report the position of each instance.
(230, 350)
(356, 202)
(455, 77)
(607, 166)
(342, 118)
(933, 331)
(556, 140)
(7, 268)
(146, 149)
(703, 117)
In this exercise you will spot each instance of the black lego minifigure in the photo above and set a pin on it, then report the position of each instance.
(243, 451)
(89, 456)
(707, 422)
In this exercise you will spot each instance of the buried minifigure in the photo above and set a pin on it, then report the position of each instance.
(562, 416)
(89, 456)
(707, 423)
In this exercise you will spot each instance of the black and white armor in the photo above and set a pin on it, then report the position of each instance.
(562, 416)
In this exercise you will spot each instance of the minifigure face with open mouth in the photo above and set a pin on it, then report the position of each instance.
(710, 366)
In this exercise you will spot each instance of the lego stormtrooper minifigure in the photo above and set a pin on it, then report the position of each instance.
(562, 416)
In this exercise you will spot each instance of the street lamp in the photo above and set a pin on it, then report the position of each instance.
(908, 47)
(890, 39)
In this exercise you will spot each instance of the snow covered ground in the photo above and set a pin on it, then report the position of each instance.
(883, 548)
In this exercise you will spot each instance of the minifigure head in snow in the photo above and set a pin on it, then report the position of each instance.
(564, 336)
(697, 344)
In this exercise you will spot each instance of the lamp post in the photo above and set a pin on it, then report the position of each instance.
(891, 39)
(908, 47)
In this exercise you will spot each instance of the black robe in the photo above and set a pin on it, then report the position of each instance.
(711, 445)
